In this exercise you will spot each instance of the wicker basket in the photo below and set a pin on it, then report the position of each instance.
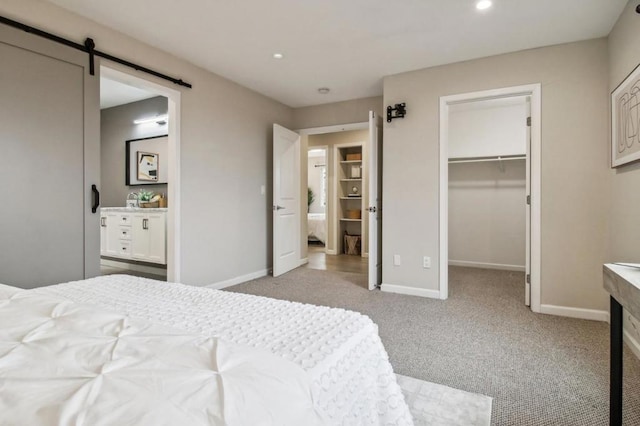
(354, 214)
(148, 205)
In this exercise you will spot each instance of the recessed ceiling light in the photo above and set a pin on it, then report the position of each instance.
(483, 4)
(278, 56)
(324, 90)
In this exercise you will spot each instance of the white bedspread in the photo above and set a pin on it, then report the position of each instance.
(63, 363)
(352, 382)
(317, 225)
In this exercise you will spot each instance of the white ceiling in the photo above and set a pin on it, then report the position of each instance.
(114, 93)
(348, 46)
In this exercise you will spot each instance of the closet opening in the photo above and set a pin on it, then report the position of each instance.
(139, 174)
(489, 191)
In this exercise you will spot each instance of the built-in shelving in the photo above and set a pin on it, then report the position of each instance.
(350, 173)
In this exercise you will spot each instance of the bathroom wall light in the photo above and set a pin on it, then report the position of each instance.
(160, 119)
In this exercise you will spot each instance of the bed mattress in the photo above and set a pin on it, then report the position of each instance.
(64, 363)
(352, 382)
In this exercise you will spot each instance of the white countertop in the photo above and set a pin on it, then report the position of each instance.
(133, 209)
(623, 283)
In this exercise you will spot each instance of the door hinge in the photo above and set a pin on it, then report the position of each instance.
(529, 121)
(528, 200)
(528, 278)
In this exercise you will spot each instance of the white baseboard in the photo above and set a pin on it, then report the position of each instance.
(633, 344)
(411, 291)
(484, 265)
(238, 280)
(331, 252)
(133, 267)
(566, 311)
(304, 261)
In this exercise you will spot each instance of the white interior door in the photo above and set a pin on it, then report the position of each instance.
(375, 201)
(527, 276)
(49, 136)
(286, 200)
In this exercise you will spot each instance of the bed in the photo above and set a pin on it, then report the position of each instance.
(335, 362)
(317, 227)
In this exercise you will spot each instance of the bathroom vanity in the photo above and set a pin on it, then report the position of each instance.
(138, 234)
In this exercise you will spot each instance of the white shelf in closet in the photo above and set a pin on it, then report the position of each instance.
(351, 180)
(351, 198)
(351, 162)
(344, 219)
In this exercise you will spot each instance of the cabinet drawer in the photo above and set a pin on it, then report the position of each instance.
(125, 233)
(124, 249)
(125, 220)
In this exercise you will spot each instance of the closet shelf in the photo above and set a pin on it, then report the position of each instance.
(351, 162)
(483, 159)
(351, 198)
(344, 219)
(351, 180)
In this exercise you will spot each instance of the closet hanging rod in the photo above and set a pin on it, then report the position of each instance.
(483, 159)
(89, 47)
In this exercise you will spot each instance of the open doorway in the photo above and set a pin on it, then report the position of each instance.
(489, 200)
(140, 181)
(353, 212)
(317, 182)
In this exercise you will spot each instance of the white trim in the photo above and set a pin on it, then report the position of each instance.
(334, 129)
(173, 189)
(332, 252)
(238, 280)
(533, 90)
(484, 265)
(633, 344)
(566, 311)
(304, 261)
(132, 267)
(411, 291)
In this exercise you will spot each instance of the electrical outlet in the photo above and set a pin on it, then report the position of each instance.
(426, 262)
(396, 260)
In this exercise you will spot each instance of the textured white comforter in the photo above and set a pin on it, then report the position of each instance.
(63, 363)
(352, 382)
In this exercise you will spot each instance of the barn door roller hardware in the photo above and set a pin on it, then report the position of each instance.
(89, 47)
(399, 109)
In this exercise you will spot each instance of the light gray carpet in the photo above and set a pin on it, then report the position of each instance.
(437, 405)
(539, 369)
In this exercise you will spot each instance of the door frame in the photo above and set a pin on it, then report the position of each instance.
(122, 75)
(534, 91)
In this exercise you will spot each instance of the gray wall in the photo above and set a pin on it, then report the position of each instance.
(347, 112)
(574, 181)
(226, 143)
(624, 56)
(116, 127)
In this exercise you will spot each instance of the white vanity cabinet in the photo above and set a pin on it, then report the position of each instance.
(148, 237)
(135, 234)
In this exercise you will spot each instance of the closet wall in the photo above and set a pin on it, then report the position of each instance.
(487, 199)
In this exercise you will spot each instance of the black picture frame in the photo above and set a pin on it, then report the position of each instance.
(131, 148)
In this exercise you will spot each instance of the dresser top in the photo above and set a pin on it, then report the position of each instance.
(623, 283)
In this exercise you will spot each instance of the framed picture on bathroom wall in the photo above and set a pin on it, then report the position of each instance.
(625, 120)
(146, 161)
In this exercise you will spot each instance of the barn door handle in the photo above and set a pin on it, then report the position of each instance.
(96, 198)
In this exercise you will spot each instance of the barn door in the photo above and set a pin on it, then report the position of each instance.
(49, 136)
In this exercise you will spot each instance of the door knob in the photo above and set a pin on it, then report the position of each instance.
(278, 208)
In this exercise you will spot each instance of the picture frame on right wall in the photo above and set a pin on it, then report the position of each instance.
(625, 120)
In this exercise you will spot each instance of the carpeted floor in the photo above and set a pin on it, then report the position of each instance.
(539, 369)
